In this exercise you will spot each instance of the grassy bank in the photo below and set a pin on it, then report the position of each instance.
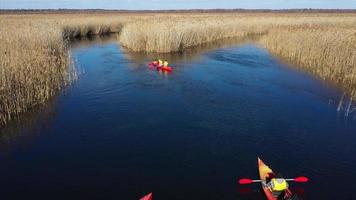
(35, 62)
(164, 34)
(327, 52)
(170, 33)
(34, 59)
(34, 66)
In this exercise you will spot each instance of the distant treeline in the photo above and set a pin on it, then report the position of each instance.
(88, 11)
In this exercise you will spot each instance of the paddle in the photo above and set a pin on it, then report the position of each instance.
(300, 179)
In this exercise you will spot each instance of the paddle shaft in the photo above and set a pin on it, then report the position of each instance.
(301, 179)
(258, 181)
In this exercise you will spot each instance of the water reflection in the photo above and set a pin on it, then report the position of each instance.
(256, 192)
(347, 107)
(189, 54)
(23, 131)
(174, 58)
(89, 41)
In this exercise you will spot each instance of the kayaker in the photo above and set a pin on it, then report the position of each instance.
(165, 64)
(278, 186)
(160, 63)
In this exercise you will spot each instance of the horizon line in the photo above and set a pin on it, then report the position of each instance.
(194, 9)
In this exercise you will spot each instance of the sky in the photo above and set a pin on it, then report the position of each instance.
(176, 4)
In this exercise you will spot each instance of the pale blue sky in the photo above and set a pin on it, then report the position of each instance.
(176, 4)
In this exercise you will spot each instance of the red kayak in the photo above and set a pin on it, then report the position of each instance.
(160, 68)
(147, 197)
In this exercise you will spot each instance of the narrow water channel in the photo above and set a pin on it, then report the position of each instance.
(123, 130)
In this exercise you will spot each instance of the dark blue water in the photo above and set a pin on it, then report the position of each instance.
(123, 130)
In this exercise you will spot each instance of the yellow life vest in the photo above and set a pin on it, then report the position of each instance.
(279, 184)
(165, 63)
(159, 62)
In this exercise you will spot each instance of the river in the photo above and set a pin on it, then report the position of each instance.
(122, 130)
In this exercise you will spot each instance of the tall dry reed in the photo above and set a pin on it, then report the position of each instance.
(35, 64)
(169, 33)
(328, 53)
(34, 59)
(162, 34)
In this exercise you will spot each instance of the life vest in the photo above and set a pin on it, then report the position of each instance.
(279, 184)
(160, 62)
(165, 63)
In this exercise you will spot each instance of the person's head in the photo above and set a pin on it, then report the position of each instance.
(271, 175)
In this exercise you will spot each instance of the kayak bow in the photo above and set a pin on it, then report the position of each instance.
(147, 197)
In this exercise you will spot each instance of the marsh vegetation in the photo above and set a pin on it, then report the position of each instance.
(35, 62)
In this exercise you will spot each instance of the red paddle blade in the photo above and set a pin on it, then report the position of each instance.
(301, 179)
(245, 181)
(147, 197)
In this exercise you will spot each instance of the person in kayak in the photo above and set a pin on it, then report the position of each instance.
(165, 64)
(155, 62)
(160, 63)
(278, 186)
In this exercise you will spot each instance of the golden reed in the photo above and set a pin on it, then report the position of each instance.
(35, 63)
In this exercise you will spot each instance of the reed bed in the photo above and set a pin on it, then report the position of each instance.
(34, 59)
(172, 34)
(87, 27)
(35, 64)
(328, 53)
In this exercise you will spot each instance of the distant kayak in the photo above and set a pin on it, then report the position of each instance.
(160, 68)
